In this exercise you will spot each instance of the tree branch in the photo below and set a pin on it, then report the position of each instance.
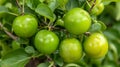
(18, 4)
(7, 32)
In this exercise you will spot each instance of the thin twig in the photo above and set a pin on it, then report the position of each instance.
(21, 7)
(87, 33)
(93, 4)
(7, 32)
(13, 14)
(18, 4)
(49, 26)
(50, 59)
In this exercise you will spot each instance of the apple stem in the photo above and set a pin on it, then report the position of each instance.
(21, 7)
(23, 11)
(92, 5)
(87, 33)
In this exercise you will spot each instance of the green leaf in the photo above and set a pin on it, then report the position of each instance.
(15, 44)
(28, 10)
(9, 5)
(82, 3)
(5, 48)
(45, 11)
(59, 61)
(114, 52)
(96, 61)
(0, 62)
(114, 10)
(111, 0)
(62, 3)
(111, 34)
(41, 1)
(43, 65)
(53, 4)
(17, 58)
(23, 41)
(59, 22)
(118, 11)
(3, 36)
(103, 26)
(29, 49)
(116, 26)
(32, 3)
(72, 65)
(95, 27)
(107, 2)
(72, 4)
(3, 9)
(109, 65)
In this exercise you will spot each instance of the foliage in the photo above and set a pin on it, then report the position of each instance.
(16, 51)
